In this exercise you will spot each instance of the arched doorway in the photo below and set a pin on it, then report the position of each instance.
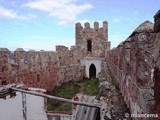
(92, 71)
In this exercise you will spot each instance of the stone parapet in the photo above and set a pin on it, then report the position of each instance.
(132, 63)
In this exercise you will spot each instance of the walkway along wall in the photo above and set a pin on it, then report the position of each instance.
(133, 65)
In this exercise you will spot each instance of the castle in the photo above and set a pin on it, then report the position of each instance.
(46, 69)
(135, 63)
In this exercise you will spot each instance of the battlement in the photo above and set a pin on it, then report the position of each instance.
(46, 69)
(61, 48)
(20, 56)
(95, 24)
(92, 40)
(87, 31)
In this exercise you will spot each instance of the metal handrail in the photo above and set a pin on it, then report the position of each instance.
(97, 105)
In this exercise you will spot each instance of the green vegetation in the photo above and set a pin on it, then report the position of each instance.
(68, 90)
(113, 80)
(89, 87)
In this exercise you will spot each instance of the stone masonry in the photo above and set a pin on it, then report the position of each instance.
(46, 69)
(98, 38)
(135, 63)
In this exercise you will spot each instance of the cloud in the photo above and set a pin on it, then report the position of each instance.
(10, 14)
(65, 10)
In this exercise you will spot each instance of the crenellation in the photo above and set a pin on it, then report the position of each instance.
(4, 60)
(19, 56)
(105, 29)
(87, 25)
(44, 69)
(93, 42)
(4, 52)
(32, 56)
(61, 48)
(78, 25)
(105, 25)
(38, 63)
(96, 25)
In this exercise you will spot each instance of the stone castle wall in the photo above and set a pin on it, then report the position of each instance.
(133, 64)
(48, 69)
(157, 72)
(34, 69)
(39, 69)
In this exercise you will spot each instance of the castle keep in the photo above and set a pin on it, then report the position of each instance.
(135, 64)
(93, 41)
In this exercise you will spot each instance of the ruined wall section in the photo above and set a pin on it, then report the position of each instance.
(132, 64)
(64, 56)
(41, 68)
(34, 69)
(73, 72)
(76, 54)
(97, 36)
(69, 67)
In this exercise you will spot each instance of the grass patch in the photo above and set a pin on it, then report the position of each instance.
(68, 90)
(90, 87)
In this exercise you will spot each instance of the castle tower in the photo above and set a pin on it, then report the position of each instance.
(93, 41)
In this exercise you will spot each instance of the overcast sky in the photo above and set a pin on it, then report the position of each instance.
(42, 24)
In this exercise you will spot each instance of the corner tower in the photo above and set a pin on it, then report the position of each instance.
(93, 41)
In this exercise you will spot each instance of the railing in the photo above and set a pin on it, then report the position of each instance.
(88, 108)
(54, 97)
(11, 89)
